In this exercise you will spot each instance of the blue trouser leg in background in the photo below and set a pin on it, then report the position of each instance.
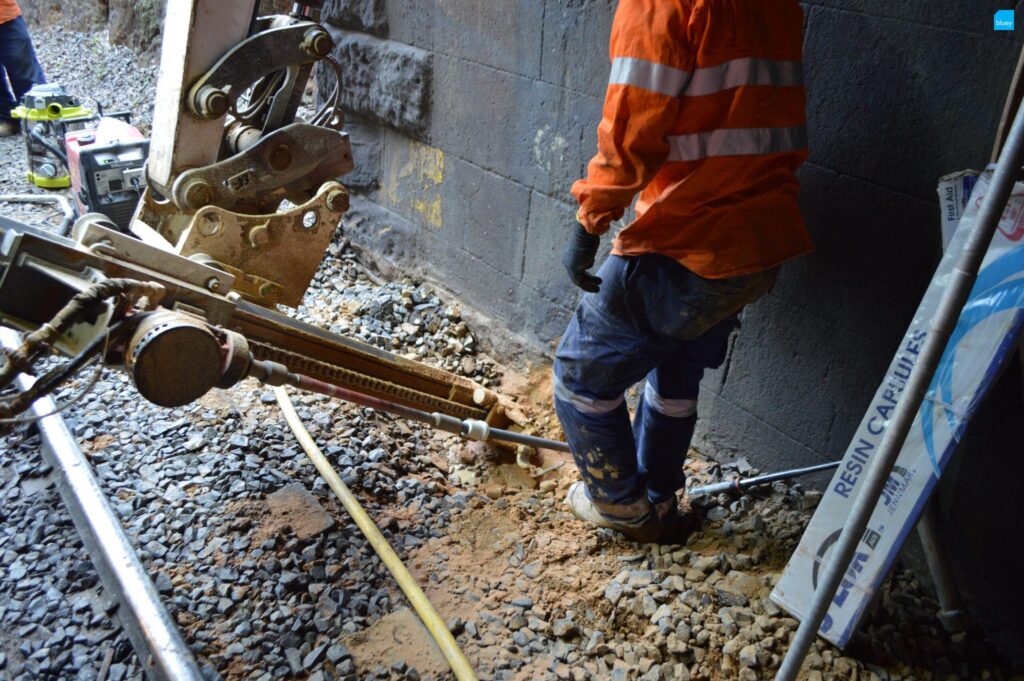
(667, 411)
(18, 59)
(652, 318)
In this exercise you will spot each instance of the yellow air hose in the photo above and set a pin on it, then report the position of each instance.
(435, 625)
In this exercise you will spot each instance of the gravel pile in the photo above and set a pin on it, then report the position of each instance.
(400, 317)
(561, 601)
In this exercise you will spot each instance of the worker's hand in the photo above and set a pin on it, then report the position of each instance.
(578, 257)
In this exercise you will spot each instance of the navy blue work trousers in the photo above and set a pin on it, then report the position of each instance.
(652, 319)
(19, 65)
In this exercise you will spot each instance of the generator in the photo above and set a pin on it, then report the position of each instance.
(47, 112)
(107, 166)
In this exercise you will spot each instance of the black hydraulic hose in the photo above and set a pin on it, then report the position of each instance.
(77, 309)
(59, 374)
(738, 486)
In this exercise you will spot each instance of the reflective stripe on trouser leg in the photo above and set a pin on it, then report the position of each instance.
(667, 406)
(662, 444)
(604, 451)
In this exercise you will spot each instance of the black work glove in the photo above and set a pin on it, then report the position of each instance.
(578, 257)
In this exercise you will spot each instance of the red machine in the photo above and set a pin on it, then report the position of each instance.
(107, 165)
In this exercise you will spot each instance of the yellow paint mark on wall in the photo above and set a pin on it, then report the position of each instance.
(414, 181)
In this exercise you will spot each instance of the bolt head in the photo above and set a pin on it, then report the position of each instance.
(213, 284)
(317, 43)
(212, 103)
(198, 194)
(337, 200)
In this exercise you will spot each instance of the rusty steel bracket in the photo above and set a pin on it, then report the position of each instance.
(281, 165)
(273, 257)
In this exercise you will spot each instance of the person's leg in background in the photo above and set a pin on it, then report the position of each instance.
(18, 59)
(667, 414)
(601, 355)
(8, 126)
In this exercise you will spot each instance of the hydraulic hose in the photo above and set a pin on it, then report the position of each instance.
(435, 625)
(84, 303)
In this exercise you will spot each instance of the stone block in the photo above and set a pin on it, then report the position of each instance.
(385, 81)
(576, 45)
(368, 16)
(524, 129)
(412, 21)
(478, 284)
(875, 249)
(466, 206)
(800, 374)
(916, 103)
(486, 216)
(382, 233)
(546, 234)
(543, 321)
(412, 177)
(367, 148)
(960, 17)
(504, 35)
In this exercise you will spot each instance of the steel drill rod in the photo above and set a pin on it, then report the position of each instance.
(739, 485)
(275, 374)
(943, 323)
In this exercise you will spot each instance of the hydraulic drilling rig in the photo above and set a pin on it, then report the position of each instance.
(241, 202)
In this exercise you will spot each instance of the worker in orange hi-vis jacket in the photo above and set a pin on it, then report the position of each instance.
(703, 122)
(18, 64)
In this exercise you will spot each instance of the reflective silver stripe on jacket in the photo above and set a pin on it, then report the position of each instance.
(648, 75)
(674, 82)
(736, 142)
(741, 72)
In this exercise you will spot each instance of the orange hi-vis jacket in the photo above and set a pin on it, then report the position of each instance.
(9, 11)
(704, 117)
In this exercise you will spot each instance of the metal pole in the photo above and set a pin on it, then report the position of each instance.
(161, 649)
(961, 281)
(739, 485)
(952, 612)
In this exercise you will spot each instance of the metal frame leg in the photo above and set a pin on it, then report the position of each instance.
(952, 605)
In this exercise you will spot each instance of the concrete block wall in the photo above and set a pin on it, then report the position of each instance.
(472, 119)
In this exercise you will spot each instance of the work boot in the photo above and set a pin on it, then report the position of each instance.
(644, 527)
(676, 527)
(8, 128)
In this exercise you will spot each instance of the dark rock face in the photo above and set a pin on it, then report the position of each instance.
(385, 81)
(368, 16)
(79, 15)
(136, 23)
